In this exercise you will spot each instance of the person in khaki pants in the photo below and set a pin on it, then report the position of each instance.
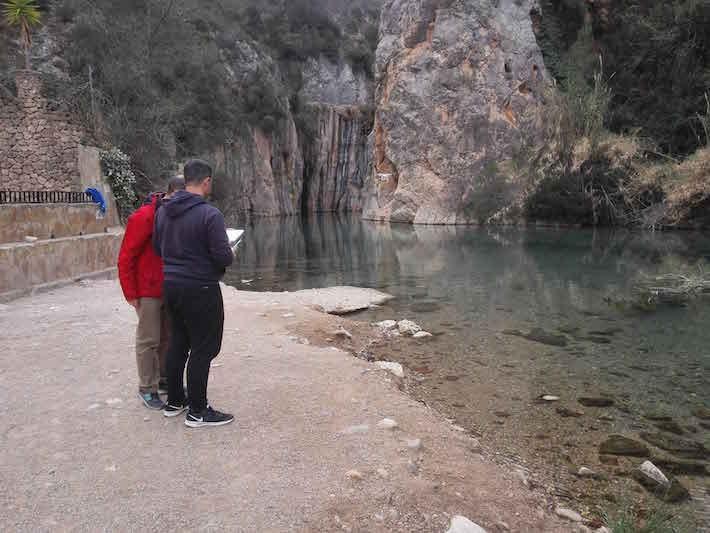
(140, 272)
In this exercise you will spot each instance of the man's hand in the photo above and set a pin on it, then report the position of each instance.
(135, 304)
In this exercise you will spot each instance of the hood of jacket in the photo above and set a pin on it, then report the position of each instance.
(180, 203)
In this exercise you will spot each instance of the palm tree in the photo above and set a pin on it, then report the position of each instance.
(23, 14)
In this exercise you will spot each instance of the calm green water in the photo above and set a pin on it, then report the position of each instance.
(468, 286)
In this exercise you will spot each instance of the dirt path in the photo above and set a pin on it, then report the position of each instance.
(80, 453)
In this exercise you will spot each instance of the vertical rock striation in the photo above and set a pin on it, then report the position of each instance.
(337, 160)
(459, 86)
(315, 162)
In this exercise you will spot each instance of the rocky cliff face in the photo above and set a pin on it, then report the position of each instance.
(458, 89)
(315, 162)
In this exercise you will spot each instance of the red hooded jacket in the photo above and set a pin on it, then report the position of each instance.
(140, 270)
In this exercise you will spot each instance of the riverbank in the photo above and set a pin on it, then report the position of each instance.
(307, 452)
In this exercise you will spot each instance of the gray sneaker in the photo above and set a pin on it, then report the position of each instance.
(151, 400)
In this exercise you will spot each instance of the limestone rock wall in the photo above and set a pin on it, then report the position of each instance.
(459, 85)
(337, 160)
(261, 174)
(313, 162)
(38, 146)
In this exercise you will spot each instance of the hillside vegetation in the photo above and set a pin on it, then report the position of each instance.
(157, 77)
(627, 139)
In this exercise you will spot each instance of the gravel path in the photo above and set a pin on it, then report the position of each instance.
(80, 453)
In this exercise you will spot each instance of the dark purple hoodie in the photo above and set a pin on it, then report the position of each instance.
(190, 236)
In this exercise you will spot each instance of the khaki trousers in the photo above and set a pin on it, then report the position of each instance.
(151, 343)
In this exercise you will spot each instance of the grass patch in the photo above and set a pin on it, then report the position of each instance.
(658, 519)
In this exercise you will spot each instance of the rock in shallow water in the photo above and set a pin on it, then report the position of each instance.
(461, 524)
(671, 427)
(588, 401)
(541, 336)
(568, 413)
(620, 445)
(653, 475)
(679, 467)
(685, 448)
(668, 490)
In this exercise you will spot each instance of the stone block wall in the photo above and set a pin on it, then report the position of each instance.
(49, 221)
(38, 146)
(31, 266)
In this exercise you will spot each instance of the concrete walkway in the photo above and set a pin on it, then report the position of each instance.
(80, 453)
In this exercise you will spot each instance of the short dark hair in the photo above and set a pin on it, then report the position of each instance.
(176, 183)
(196, 170)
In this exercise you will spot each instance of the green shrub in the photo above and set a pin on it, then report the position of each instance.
(117, 168)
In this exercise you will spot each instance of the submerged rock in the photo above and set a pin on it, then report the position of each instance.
(539, 335)
(620, 445)
(676, 493)
(688, 449)
(702, 412)
(671, 427)
(596, 339)
(568, 413)
(461, 524)
(679, 467)
(658, 417)
(595, 401)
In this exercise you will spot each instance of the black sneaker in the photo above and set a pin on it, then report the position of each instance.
(208, 417)
(174, 410)
(151, 400)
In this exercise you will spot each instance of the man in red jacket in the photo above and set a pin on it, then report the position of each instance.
(140, 272)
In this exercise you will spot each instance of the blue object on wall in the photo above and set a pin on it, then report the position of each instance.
(98, 199)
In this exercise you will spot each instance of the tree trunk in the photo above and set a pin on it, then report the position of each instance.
(26, 44)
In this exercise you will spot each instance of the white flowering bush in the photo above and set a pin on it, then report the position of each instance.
(117, 168)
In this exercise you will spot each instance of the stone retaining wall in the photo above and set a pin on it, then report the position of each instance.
(38, 146)
(48, 221)
(26, 266)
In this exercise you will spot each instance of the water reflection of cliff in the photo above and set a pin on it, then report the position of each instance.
(542, 273)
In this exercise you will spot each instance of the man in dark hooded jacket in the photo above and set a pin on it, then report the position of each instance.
(190, 236)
